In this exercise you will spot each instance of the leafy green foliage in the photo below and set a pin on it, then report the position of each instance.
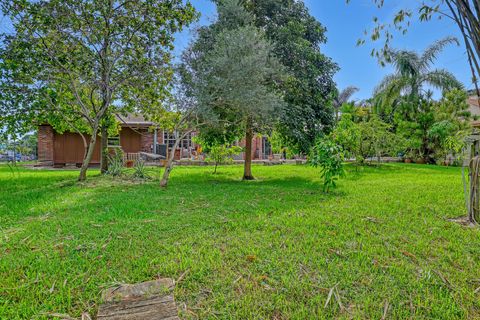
(115, 163)
(222, 154)
(231, 72)
(452, 125)
(422, 123)
(81, 61)
(140, 170)
(363, 134)
(278, 143)
(327, 155)
(308, 92)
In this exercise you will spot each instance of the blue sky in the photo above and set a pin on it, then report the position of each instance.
(345, 25)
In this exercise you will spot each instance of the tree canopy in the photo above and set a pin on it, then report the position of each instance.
(92, 58)
(465, 14)
(233, 75)
(297, 37)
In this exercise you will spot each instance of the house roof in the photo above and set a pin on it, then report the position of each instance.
(133, 120)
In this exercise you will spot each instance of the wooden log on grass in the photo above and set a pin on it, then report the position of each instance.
(152, 300)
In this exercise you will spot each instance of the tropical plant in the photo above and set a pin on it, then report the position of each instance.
(465, 14)
(327, 155)
(341, 98)
(115, 163)
(140, 170)
(413, 72)
(452, 125)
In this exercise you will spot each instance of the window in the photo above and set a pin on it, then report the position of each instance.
(114, 141)
(169, 139)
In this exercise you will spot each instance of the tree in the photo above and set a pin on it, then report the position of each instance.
(222, 154)
(341, 98)
(406, 97)
(180, 115)
(413, 71)
(362, 134)
(465, 14)
(296, 37)
(233, 76)
(329, 156)
(90, 58)
(452, 125)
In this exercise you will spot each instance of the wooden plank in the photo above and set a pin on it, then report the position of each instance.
(151, 300)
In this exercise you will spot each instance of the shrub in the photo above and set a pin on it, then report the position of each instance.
(115, 163)
(329, 156)
(222, 154)
(139, 170)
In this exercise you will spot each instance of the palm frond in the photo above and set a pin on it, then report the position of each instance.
(430, 54)
(441, 79)
(406, 63)
(345, 95)
(387, 82)
(392, 87)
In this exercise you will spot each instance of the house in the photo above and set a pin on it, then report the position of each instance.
(136, 135)
(474, 108)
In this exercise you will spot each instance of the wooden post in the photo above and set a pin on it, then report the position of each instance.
(474, 205)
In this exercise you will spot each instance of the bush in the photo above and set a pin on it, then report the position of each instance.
(139, 170)
(115, 163)
(329, 156)
(222, 154)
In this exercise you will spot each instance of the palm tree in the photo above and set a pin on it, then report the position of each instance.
(413, 72)
(342, 98)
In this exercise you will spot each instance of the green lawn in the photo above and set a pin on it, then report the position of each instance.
(267, 249)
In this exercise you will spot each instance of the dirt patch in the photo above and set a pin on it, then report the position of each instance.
(463, 221)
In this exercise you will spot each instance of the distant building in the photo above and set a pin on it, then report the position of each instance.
(136, 135)
(474, 108)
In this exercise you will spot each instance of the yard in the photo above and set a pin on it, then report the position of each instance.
(267, 249)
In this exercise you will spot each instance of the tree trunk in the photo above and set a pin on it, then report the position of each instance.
(247, 170)
(88, 157)
(474, 201)
(169, 165)
(14, 161)
(104, 150)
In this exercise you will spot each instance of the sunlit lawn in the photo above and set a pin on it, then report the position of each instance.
(267, 249)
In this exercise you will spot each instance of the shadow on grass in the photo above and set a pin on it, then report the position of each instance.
(36, 193)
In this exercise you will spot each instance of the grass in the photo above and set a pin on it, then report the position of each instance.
(269, 249)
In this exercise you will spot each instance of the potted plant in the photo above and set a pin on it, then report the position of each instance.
(420, 160)
(129, 163)
(409, 157)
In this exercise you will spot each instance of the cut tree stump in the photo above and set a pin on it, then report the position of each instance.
(152, 300)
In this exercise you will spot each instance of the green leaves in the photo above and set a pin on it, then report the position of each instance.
(232, 74)
(329, 156)
(413, 72)
(308, 92)
(99, 57)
